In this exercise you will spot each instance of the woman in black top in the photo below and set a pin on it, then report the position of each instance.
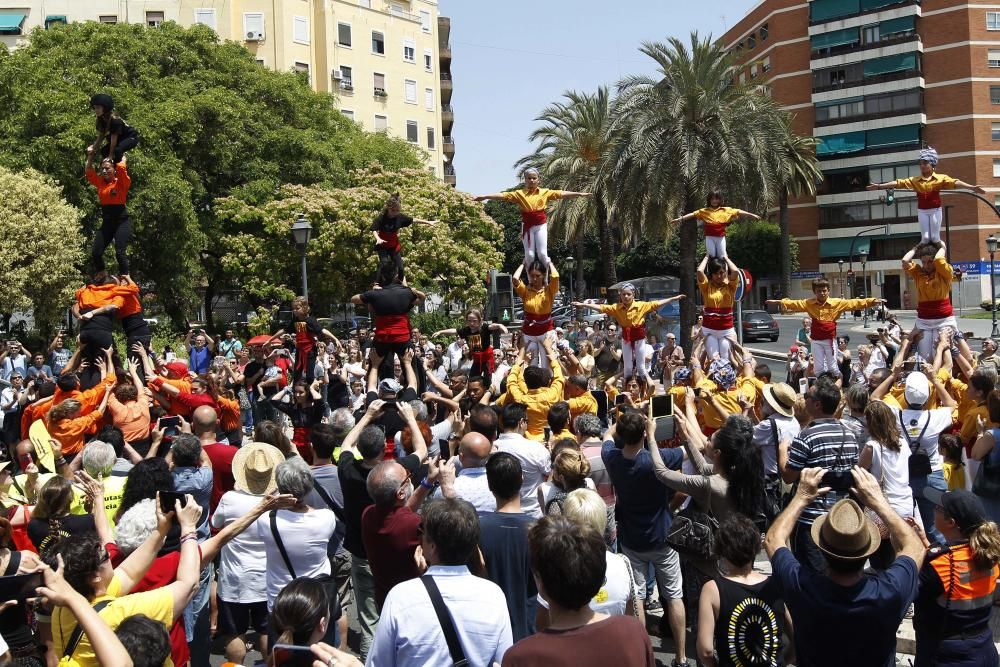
(120, 135)
(386, 230)
(51, 521)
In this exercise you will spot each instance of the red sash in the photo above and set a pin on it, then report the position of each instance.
(392, 328)
(531, 219)
(930, 199)
(823, 330)
(634, 334)
(934, 310)
(536, 325)
(719, 319)
(391, 241)
(484, 359)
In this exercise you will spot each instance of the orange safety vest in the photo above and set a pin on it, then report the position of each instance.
(966, 585)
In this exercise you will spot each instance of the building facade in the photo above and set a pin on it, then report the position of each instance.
(875, 81)
(388, 62)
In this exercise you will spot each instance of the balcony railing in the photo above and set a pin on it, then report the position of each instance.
(857, 48)
(446, 76)
(448, 140)
(875, 10)
(867, 81)
(867, 116)
(447, 108)
(881, 150)
(449, 170)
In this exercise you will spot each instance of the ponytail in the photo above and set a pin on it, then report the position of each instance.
(286, 637)
(985, 543)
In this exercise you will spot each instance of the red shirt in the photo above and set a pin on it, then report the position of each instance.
(221, 457)
(192, 402)
(391, 536)
(284, 363)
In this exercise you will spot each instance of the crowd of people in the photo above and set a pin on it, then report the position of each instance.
(481, 496)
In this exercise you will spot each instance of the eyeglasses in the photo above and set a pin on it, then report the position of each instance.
(405, 479)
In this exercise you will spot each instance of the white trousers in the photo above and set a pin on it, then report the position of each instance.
(715, 246)
(717, 342)
(536, 244)
(639, 356)
(932, 334)
(539, 357)
(824, 357)
(930, 224)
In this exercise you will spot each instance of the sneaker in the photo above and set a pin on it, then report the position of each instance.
(677, 663)
(653, 605)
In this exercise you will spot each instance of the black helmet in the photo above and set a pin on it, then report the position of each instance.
(103, 100)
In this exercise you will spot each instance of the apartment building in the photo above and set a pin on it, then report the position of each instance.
(875, 80)
(387, 61)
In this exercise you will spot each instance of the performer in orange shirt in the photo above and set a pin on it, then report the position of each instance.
(112, 183)
(133, 323)
(532, 201)
(716, 218)
(95, 308)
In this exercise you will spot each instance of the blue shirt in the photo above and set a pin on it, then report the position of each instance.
(845, 625)
(642, 506)
(199, 360)
(197, 482)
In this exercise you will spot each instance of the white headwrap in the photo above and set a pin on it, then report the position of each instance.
(930, 156)
(531, 170)
(627, 286)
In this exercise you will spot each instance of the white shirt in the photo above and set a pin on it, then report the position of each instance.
(454, 354)
(7, 396)
(306, 536)
(439, 431)
(616, 590)
(536, 464)
(893, 472)
(914, 420)
(503, 369)
(763, 438)
(241, 572)
(471, 485)
(875, 361)
(409, 634)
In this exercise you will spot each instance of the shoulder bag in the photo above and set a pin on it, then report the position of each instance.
(692, 532)
(447, 623)
(77, 634)
(987, 482)
(883, 529)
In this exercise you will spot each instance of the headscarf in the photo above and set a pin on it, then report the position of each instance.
(721, 372)
(531, 170)
(930, 156)
(682, 374)
(627, 287)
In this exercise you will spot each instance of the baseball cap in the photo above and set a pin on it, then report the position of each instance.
(918, 389)
(963, 506)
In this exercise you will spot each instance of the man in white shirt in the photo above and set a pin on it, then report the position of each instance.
(536, 463)
(409, 632)
(777, 425)
(471, 484)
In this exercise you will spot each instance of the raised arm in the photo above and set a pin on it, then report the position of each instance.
(567, 194)
(701, 268)
(444, 332)
(489, 197)
(429, 223)
(685, 217)
(969, 186)
(419, 446)
(747, 214)
(808, 490)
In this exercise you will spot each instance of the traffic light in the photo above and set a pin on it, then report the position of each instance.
(890, 197)
(503, 297)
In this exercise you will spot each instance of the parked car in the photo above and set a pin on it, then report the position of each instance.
(342, 327)
(759, 324)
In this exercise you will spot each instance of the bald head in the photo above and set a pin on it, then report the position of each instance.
(385, 484)
(474, 449)
(204, 421)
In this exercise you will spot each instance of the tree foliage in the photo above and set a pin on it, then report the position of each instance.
(755, 244)
(213, 123)
(454, 255)
(40, 246)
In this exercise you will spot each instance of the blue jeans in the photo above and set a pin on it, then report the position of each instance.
(196, 625)
(936, 481)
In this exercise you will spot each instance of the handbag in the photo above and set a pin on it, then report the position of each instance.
(692, 532)
(919, 462)
(883, 529)
(987, 482)
(631, 586)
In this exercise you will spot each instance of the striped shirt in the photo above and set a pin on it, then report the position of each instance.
(824, 443)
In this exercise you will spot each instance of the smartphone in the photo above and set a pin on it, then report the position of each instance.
(170, 426)
(168, 500)
(20, 586)
(620, 399)
(803, 385)
(661, 405)
(840, 482)
(548, 433)
(289, 655)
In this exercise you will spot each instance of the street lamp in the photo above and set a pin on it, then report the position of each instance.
(840, 265)
(301, 232)
(570, 264)
(864, 283)
(991, 247)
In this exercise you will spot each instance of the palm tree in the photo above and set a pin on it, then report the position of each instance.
(799, 173)
(571, 142)
(676, 137)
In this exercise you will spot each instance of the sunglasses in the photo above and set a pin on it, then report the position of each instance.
(406, 479)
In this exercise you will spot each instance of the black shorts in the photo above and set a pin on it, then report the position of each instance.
(236, 617)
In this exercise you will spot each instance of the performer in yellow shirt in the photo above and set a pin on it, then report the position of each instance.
(631, 317)
(718, 280)
(824, 311)
(933, 276)
(538, 298)
(528, 386)
(716, 218)
(532, 201)
(928, 187)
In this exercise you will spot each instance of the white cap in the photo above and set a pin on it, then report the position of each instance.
(918, 389)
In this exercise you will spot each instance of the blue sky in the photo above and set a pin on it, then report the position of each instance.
(510, 59)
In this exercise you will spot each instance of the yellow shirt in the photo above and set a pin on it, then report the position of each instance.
(927, 189)
(718, 297)
(728, 400)
(954, 475)
(538, 401)
(532, 201)
(934, 286)
(538, 302)
(158, 604)
(633, 316)
(717, 219)
(114, 489)
(584, 404)
(969, 431)
(824, 315)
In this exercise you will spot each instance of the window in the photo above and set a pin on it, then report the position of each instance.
(431, 139)
(409, 50)
(205, 17)
(110, 18)
(996, 168)
(410, 91)
(379, 84)
(412, 132)
(995, 130)
(348, 113)
(870, 34)
(429, 98)
(751, 41)
(378, 43)
(994, 94)
(154, 19)
(425, 20)
(300, 29)
(743, 77)
(753, 70)
(365, 3)
(381, 123)
(344, 34)
(301, 68)
(253, 26)
(346, 77)
(261, 62)
(428, 60)
(52, 20)
(763, 33)
(993, 20)
(993, 58)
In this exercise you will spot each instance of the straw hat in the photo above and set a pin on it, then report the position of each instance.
(781, 397)
(253, 468)
(846, 533)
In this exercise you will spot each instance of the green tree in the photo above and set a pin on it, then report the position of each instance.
(571, 143)
(675, 137)
(754, 244)
(213, 123)
(799, 172)
(452, 257)
(40, 248)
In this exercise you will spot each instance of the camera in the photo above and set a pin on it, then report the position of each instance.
(840, 481)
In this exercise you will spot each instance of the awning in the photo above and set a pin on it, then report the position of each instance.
(11, 21)
(897, 63)
(842, 247)
(893, 136)
(875, 4)
(829, 40)
(823, 10)
(837, 144)
(896, 26)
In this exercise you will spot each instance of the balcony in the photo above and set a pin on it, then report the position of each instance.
(446, 87)
(815, 19)
(449, 145)
(444, 52)
(447, 118)
(444, 29)
(347, 87)
(380, 93)
(449, 175)
(870, 80)
(856, 47)
(868, 116)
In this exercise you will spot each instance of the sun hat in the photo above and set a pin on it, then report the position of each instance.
(846, 533)
(253, 468)
(781, 397)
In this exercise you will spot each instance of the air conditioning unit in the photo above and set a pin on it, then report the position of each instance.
(346, 86)
(336, 75)
(255, 36)
(380, 92)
